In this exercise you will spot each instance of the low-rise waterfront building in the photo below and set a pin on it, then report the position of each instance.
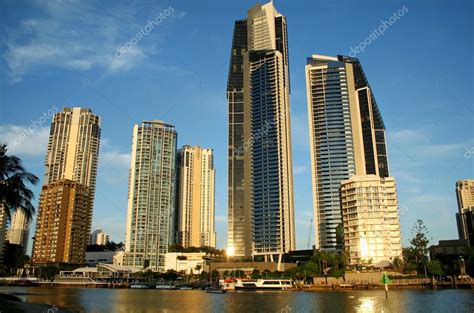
(185, 262)
(99, 273)
(370, 219)
(453, 247)
(246, 267)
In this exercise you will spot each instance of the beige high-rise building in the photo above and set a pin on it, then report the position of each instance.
(370, 219)
(19, 229)
(465, 197)
(347, 137)
(260, 180)
(195, 197)
(63, 223)
(73, 147)
(70, 167)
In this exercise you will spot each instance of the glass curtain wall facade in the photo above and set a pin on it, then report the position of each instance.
(347, 137)
(260, 187)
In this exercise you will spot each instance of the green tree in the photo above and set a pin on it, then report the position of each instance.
(48, 271)
(14, 257)
(215, 274)
(14, 193)
(399, 264)
(435, 268)
(419, 245)
(256, 274)
(204, 275)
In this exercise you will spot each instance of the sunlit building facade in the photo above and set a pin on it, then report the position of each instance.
(70, 178)
(370, 220)
(347, 137)
(465, 198)
(151, 196)
(195, 197)
(63, 223)
(260, 180)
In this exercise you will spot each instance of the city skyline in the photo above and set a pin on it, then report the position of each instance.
(416, 149)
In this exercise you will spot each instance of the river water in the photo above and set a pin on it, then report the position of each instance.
(135, 300)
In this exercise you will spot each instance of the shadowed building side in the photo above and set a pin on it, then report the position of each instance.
(260, 182)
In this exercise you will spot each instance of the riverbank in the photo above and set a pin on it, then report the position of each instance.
(198, 301)
(13, 304)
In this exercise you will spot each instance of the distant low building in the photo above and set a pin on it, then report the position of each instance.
(96, 257)
(246, 267)
(19, 229)
(187, 262)
(449, 247)
(297, 256)
(98, 237)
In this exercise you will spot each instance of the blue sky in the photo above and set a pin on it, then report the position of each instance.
(63, 53)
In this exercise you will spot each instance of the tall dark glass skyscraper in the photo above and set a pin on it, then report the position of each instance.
(347, 137)
(260, 180)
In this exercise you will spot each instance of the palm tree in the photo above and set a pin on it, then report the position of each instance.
(14, 194)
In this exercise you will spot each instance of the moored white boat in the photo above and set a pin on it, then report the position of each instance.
(263, 284)
(165, 287)
(138, 286)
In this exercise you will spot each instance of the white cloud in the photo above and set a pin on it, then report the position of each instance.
(220, 219)
(299, 130)
(127, 60)
(115, 159)
(114, 164)
(79, 36)
(419, 145)
(25, 140)
(300, 169)
(408, 135)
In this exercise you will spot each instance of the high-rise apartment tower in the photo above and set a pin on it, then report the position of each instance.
(151, 195)
(347, 137)
(260, 178)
